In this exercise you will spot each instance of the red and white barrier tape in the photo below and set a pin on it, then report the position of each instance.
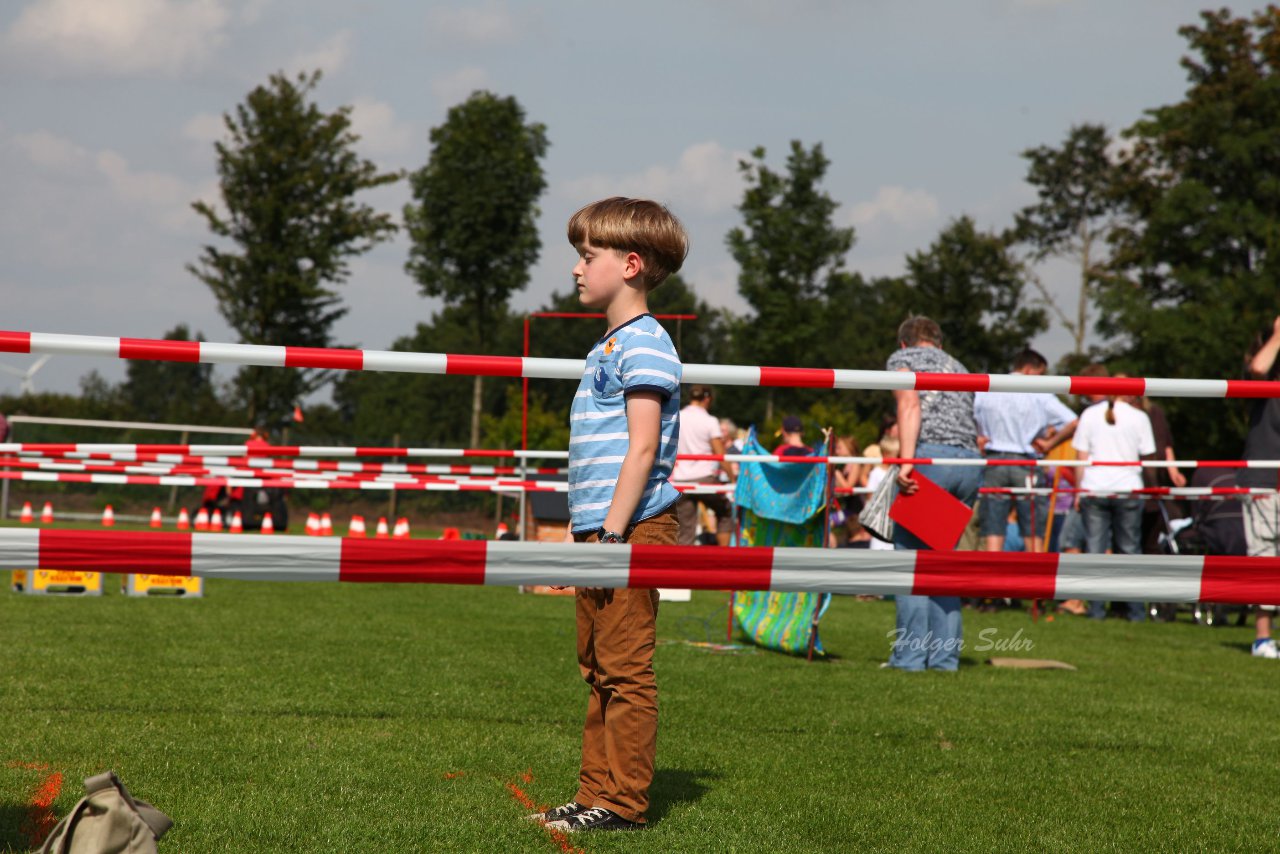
(175, 453)
(295, 463)
(1144, 492)
(373, 483)
(209, 352)
(61, 465)
(850, 571)
(222, 454)
(288, 478)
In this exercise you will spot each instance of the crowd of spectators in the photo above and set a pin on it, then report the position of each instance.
(1022, 505)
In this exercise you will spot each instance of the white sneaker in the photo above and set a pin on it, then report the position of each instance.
(1266, 649)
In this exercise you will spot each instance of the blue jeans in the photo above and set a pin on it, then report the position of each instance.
(927, 633)
(1116, 524)
(994, 512)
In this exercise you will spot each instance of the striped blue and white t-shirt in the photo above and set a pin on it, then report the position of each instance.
(637, 356)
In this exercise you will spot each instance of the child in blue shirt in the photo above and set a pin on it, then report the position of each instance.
(623, 432)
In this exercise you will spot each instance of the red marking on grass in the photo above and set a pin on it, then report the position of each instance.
(453, 775)
(40, 820)
(525, 800)
(559, 837)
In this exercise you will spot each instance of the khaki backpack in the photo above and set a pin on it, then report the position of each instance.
(108, 821)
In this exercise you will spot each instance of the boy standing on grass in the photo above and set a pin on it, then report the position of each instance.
(623, 433)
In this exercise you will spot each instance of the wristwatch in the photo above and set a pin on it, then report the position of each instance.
(610, 536)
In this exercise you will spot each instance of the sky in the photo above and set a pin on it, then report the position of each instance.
(109, 110)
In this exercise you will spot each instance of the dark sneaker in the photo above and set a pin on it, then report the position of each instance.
(556, 813)
(596, 818)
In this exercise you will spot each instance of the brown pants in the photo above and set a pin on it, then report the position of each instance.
(687, 513)
(616, 635)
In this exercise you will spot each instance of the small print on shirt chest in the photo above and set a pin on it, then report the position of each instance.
(607, 378)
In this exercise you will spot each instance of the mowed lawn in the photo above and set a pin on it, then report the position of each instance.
(322, 717)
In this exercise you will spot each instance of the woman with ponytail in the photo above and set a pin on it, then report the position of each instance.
(1112, 430)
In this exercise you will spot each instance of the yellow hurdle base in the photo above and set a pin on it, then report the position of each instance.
(176, 586)
(61, 582)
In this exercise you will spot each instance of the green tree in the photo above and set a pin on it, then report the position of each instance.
(790, 254)
(473, 220)
(548, 422)
(1073, 216)
(174, 392)
(1195, 269)
(288, 179)
(970, 283)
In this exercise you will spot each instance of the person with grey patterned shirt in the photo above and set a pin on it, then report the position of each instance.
(931, 424)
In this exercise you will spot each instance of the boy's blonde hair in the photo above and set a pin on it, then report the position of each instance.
(633, 225)
(890, 446)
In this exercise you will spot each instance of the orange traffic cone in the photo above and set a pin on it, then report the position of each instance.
(356, 528)
(27, 516)
(157, 521)
(184, 520)
(381, 532)
(46, 513)
(313, 525)
(215, 521)
(451, 534)
(326, 525)
(237, 523)
(202, 519)
(108, 517)
(401, 531)
(268, 527)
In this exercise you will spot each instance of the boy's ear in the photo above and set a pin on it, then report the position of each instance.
(632, 265)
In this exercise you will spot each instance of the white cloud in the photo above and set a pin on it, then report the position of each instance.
(329, 56)
(380, 132)
(51, 153)
(204, 128)
(456, 86)
(899, 206)
(476, 25)
(704, 180)
(105, 180)
(251, 10)
(122, 37)
(166, 197)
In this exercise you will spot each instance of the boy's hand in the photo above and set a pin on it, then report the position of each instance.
(568, 538)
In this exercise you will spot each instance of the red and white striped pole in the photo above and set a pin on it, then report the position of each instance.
(209, 352)
(1243, 580)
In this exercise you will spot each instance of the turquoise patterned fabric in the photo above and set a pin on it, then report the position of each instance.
(784, 492)
(781, 505)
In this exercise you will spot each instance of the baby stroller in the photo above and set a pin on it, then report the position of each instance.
(1215, 527)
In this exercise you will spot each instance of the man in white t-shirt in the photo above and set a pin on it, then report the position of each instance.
(700, 433)
(1113, 431)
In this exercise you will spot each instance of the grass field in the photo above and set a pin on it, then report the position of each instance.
(314, 717)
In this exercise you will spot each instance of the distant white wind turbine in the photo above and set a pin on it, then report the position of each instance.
(28, 385)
